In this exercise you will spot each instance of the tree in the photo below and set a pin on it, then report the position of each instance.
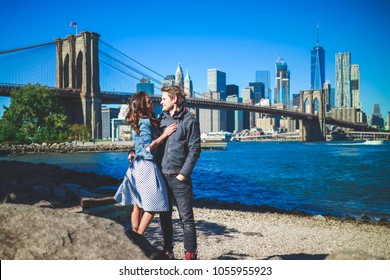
(35, 114)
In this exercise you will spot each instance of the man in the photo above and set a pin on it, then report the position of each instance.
(181, 151)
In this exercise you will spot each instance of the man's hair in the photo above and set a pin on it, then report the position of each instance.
(175, 91)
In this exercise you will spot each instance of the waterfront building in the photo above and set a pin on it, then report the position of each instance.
(317, 74)
(388, 121)
(234, 118)
(145, 85)
(108, 114)
(188, 86)
(179, 79)
(355, 85)
(267, 124)
(264, 76)
(343, 96)
(282, 84)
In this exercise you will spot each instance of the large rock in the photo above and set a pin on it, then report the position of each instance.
(28, 232)
(29, 183)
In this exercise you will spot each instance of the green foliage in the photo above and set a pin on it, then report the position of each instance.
(35, 114)
(79, 132)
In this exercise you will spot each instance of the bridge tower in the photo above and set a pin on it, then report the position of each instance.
(77, 67)
(312, 102)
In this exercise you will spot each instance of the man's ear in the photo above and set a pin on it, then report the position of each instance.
(174, 99)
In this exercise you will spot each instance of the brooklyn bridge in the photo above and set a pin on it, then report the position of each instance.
(86, 68)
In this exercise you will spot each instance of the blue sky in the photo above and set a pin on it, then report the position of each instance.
(237, 37)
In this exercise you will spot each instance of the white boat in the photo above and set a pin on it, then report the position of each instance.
(373, 142)
(219, 136)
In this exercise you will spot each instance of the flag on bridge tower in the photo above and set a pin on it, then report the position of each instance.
(73, 24)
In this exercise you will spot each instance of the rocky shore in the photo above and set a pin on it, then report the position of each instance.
(66, 147)
(53, 213)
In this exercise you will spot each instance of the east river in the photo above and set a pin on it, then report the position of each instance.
(337, 178)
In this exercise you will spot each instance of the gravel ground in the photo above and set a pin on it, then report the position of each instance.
(234, 234)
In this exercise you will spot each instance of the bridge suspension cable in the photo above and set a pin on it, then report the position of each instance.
(131, 68)
(26, 48)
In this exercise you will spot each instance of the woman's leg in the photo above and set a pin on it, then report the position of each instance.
(136, 217)
(145, 221)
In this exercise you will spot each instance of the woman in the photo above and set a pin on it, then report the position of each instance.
(144, 186)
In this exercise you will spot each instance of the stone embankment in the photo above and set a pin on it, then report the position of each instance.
(86, 147)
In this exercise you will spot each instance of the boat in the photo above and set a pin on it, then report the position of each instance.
(338, 135)
(215, 140)
(373, 142)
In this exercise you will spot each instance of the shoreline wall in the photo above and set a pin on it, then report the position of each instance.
(64, 148)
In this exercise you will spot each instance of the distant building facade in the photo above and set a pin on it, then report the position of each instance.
(212, 120)
(343, 97)
(169, 80)
(179, 79)
(264, 76)
(188, 86)
(146, 86)
(317, 73)
(234, 118)
(282, 83)
(108, 114)
(355, 86)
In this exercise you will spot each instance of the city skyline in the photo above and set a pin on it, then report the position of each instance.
(238, 39)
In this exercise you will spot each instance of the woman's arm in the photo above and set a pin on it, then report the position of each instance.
(168, 131)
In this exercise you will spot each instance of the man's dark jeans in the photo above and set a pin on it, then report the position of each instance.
(182, 193)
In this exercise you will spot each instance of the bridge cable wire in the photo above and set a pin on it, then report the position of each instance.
(132, 59)
(26, 48)
(140, 72)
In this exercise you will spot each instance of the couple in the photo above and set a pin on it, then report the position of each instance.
(150, 189)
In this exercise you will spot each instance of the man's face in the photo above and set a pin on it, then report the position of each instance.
(166, 102)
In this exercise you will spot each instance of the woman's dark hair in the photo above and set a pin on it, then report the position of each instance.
(138, 108)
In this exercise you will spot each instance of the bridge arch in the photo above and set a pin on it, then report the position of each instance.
(65, 70)
(79, 70)
(316, 106)
(311, 102)
(307, 106)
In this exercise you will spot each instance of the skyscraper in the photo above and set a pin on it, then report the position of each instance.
(264, 76)
(355, 85)
(377, 119)
(188, 87)
(216, 81)
(179, 81)
(343, 80)
(282, 85)
(258, 91)
(317, 77)
(209, 119)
